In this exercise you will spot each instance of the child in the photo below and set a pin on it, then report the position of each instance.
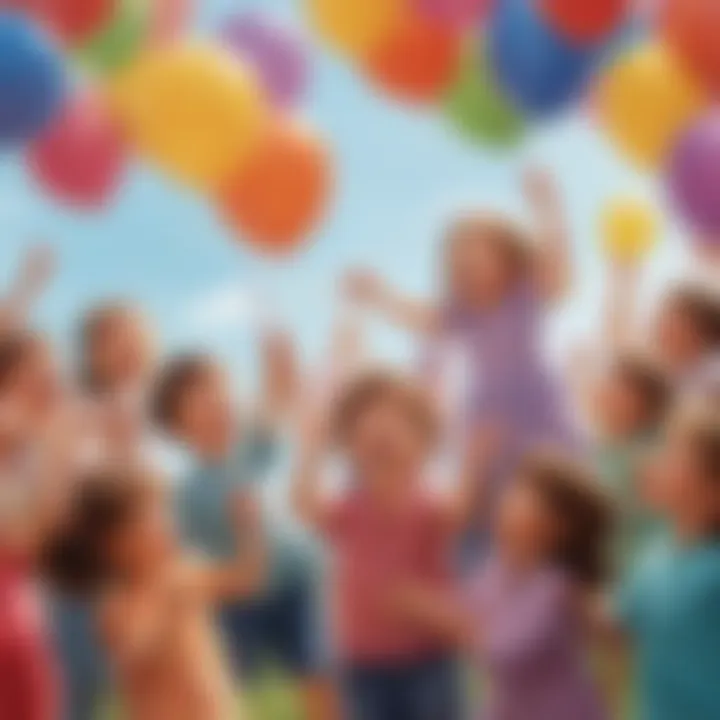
(386, 527)
(497, 288)
(193, 403)
(669, 606)
(117, 549)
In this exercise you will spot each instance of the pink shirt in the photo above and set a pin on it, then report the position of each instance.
(375, 550)
(28, 681)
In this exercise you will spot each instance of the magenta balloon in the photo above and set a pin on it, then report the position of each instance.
(80, 159)
(458, 13)
(695, 176)
(276, 51)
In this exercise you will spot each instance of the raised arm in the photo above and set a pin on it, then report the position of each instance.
(619, 313)
(36, 270)
(368, 290)
(280, 378)
(553, 265)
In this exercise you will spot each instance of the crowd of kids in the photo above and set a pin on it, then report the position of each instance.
(566, 566)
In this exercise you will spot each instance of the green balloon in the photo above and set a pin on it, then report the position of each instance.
(116, 44)
(478, 108)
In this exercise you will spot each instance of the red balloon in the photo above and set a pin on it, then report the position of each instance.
(692, 27)
(81, 158)
(585, 21)
(418, 62)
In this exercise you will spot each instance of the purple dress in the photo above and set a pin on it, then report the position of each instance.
(531, 639)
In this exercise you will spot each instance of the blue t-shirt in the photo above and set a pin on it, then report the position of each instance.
(671, 608)
(205, 501)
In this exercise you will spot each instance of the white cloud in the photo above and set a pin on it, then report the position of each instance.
(222, 308)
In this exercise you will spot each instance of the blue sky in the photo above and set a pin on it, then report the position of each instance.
(400, 173)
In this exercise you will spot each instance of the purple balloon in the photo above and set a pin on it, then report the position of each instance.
(276, 52)
(458, 13)
(695, 176)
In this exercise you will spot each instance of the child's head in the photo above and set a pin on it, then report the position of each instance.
(688, 325)
(192, 401)
(632, 397)
(117, 528)
(30, 385)
(387, 427)
(485, 255)
(682, 480)
(556, 513)
(116, 348)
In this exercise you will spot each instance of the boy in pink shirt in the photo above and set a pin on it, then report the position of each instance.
(386, 531)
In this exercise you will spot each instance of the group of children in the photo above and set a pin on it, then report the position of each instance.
(580, 534)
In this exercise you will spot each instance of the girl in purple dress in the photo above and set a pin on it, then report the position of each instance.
(498, 285)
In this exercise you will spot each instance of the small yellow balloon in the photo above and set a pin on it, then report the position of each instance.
(356, 27)
(630, 229)
(646, 99)
(194, 110)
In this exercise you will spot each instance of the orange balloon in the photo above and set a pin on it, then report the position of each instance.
(277, 198)
(418, 62)
(692, 27)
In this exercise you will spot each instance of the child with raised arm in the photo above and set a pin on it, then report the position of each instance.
(386, 526)
(153, 603)
(497, 287)
(234, 449)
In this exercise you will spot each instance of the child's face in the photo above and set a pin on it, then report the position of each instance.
(673, 486)
(123, 354)
(675, 336)
(620, 410)
(525, 529)
(146, 541)
(385, 445)
(478, 272)
(206, 419)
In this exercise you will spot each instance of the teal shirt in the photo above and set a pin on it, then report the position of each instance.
(671, 609)
(204, 503)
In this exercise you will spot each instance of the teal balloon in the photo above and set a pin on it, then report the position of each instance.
(478, 108)
(115, 45)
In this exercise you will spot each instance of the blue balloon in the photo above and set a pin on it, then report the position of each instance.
(539, 70)
(32, 80)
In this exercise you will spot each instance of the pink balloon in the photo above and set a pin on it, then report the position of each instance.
(458, 13)
(81, 159)
(170, 18)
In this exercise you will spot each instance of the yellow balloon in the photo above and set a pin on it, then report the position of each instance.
(630, 229)
(193, 109)
(645, 100)
(356, 27)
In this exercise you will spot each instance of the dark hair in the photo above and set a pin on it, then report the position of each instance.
(172, 383)
(15, 347)
(583, 512)
(701, 306)
(383, 386)
(649, 380)
(75, 557)
(700, 425)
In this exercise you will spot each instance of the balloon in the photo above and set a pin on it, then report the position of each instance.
(540, 71)
(417, 62)
(275, 51)
(76, 21)
(630, 228)
(120, 40)
(645, 100)
(32, 82)
(478, 108)
(585, 22)
(279, 196)
(456, 13)
(192, 109)
(169, 17)
(355, 27)
(692, 27)
(694, 177)
(80, 159)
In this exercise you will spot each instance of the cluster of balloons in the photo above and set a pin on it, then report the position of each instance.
(648, 72)
(85, 84)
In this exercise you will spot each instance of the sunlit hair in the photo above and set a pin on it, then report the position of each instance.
(507, 236)
(581, 511)
(384, 386)
(697, 421)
